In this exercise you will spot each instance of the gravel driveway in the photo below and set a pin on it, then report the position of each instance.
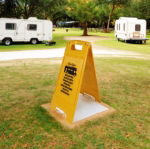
(98, 51)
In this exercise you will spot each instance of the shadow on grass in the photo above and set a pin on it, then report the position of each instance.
(134, 42)
(46, 121)
(22, 43)
(25, 46)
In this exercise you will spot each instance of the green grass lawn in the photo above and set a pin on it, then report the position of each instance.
(26, 84)
(58, 36)
(113, 43)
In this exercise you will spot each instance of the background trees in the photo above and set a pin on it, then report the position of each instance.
(1, 8)
(113, 5)
(31, 8)
(7, 8)
(139, 9)
(102, 13)
(53, 9)
(7, 11)
(85, 11)
(28, 8)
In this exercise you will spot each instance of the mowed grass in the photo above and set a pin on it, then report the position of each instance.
(25, 85)
(60, 33)
(113, 43)
(58, 37)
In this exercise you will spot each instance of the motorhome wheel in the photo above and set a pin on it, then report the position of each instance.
(7, 41)
(34, 41)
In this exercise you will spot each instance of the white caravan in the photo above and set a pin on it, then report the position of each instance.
(25, 30)
(130, 29)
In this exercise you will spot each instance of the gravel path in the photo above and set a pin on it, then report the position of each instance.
(98, 51)
(86, 38)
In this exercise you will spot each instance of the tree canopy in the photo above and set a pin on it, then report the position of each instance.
(87, 12)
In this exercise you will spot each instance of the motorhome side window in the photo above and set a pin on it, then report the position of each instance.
(137, 27)
(10, 26)
(32, 27)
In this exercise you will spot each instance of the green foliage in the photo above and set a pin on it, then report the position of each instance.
(144, 9)
(1, 9)
(7, 8)
(116, 2)
(27, 8)
(52, 9)
(139, 9)
(84, 11)
(97, 12)
(111, 6)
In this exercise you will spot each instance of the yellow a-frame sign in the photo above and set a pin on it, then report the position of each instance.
(77, 76)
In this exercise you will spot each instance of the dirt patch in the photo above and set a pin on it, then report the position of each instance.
(86, 38)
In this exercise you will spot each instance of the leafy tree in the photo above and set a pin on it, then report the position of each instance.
(1, 8)
(144, 10)
(9, 8)
(47, 9)
(53, 10)
(85, 11)
(111, 6)
(139, 9)
(28, 8)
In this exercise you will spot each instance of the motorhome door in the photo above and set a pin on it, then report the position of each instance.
(34, 30)
(40, 31)
(137, 33)
(20, 31)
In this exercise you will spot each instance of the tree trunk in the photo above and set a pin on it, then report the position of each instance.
(85, 29)
(109, 18)
(25, 10)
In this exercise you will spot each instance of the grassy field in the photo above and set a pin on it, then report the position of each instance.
(59, 34)
(113, 43)
(25, 85)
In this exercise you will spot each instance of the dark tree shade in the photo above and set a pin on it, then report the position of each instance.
(9, 8)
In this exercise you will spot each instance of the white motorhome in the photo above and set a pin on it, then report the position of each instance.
(130, 29)
(25, 30)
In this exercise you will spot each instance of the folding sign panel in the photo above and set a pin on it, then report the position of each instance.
(76, 80)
